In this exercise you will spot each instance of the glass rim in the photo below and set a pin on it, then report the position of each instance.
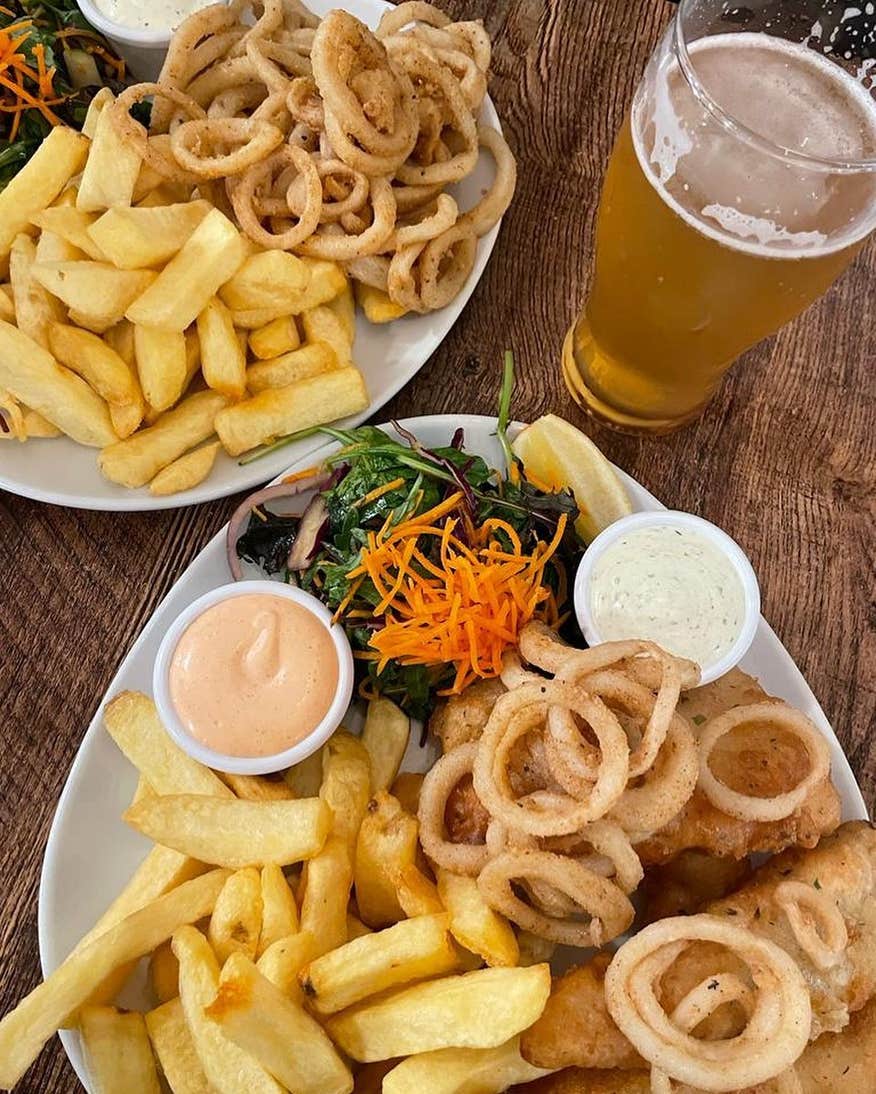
(838, 165)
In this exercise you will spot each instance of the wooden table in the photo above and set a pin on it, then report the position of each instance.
(783, 459)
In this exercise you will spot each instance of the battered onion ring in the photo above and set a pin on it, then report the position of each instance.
(243, 193)
(414, 11)
(745, 806)
(610, 910)
(825, 947)
(778, 1025)
(461, 858)
(666, 789)
(491, 208)
(515, 714)
(344, 52)
(445, 265)
(429, 227)
(257, 139)
(342, 247)
(132, 131)
(540, 645)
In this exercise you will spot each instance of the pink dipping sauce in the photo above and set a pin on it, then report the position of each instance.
(253, 675)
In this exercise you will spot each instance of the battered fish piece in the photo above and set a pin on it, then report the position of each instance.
(689, 881)
(844, 867)
(461, 718)
(837, 1063)
(752, 759)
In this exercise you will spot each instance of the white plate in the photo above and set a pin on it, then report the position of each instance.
(91, 853)
(65, 473)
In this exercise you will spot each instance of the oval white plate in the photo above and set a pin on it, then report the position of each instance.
(62, 472)
(91, 853)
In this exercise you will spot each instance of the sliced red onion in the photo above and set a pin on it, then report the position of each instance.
(240, 516)
(311, 532)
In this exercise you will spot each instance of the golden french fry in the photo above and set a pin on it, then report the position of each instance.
(161, 364)
(24, 1030)
(387, 842)
(111, 170)
(132, 721)
(60, 156)
(414, 949)
(223, 362)
(299, 364)
(96, 293)
(346, 784)
(327, 279)
(344, 307)
(376, 304)
(463, 1071)
(35, 378)
(275, 338)
(72, 226)
(270, 1027)
(279, 910)
(163, 973)
(260, 788)
(231, 832)
(117, 1051)
(175, 1049)
(356, 928)
(35, 425)
(139, 458)
(35, 308)
(90, 357)
(323, 325)
(143, 790)
(386, 734)
(481, 1009)
(280, 411)
(305, 777)
(284, 959)
(126, 418)
(406, 787)
(237, 918)
(121, 338)
(226, 1067)
(146, 235)
(211, 254)
(327, 879)
(267, 279)
(103, 98)
(186, 472)
(7, 304)
(473, 923)
(54, 248)
(254, 318)
(417, 894)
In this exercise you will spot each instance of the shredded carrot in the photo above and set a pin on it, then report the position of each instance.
(307, 473)
(378, 492)
(464, 608)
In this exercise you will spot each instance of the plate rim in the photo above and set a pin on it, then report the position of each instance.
(69, 1038)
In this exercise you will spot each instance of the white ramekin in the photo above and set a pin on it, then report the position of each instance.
(255, 765)
(728, 547)
(143, 51)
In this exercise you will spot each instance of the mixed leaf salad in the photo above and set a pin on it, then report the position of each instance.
(52, 63)
(430, 559)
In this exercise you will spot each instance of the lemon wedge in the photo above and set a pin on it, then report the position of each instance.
(558, 456)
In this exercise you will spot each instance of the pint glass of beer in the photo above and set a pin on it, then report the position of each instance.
(742, 184)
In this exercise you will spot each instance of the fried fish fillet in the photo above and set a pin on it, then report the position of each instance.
(688, 881)
(844, 868)
(837, 1063)
(461, 718)
(753, 759)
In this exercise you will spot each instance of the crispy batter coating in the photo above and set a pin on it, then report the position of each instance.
(461, 718)
(689, 881)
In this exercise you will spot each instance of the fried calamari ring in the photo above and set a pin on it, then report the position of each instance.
(778, 1024)
(745, 806)
(666, 787)
(232, 72)
(514, 675)
(369, 103)
(343, 191)
(276, 64)
(414, 11)
(546, 813)
(236, 101)
(823, 936)
(445, 265)
(461, 858)
(443, 218)
(304, 103)
(371, 270)
(541, 646)
(159, 158)
(258, 178)
(491, 208)
(609, 909)
(341, 247)
(256, 140)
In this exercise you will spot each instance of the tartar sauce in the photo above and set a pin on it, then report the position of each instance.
(149, 14)
(672, 586)
(253, 675)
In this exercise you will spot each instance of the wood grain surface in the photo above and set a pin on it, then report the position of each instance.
(784, 459)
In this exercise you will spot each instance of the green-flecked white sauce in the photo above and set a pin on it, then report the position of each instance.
(671, 585)
(149, 14)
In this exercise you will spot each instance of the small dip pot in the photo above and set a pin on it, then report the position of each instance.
(257, 653)
(142, 50)
(690, 586)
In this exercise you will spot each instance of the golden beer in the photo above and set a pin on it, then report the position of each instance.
(705, 243)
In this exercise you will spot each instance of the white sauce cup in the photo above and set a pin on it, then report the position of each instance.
(256, 765)
(143, 51)
(676, 519)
